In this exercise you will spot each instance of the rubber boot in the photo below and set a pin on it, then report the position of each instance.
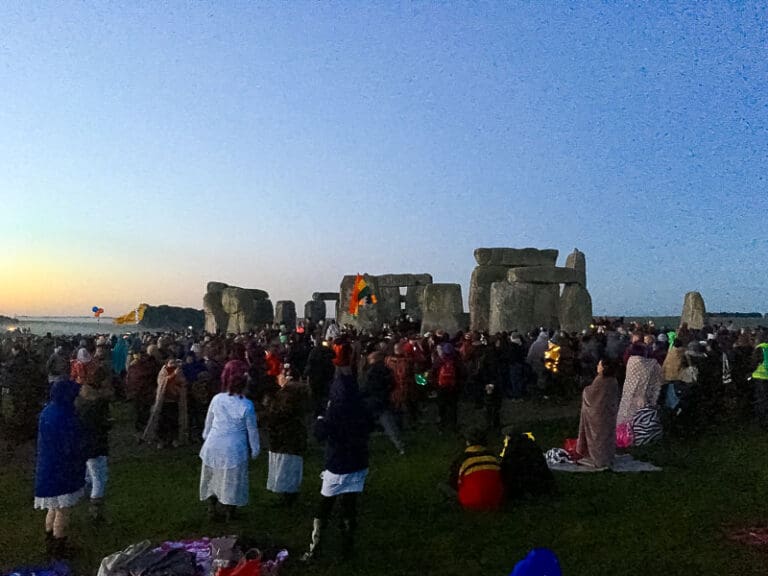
(60, 550)
(314, 546)
(49, 543)
(96, 510)
(230, 513)
(347, 539)
(211, 509)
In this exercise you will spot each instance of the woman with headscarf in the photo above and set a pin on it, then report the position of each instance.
(230, 429)
(83, 367)
(597, 425)
(169, 419)
(287, 437)
(642, 386)
(345, 428)
(60, 467)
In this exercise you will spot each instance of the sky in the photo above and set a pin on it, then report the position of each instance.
(147, 148)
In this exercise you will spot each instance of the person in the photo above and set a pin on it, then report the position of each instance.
(168, 421)
(319, 372)
(58, 366)
(475, 475)
(141, 386)
(642, 384)
(445, 377)
(230, 429)
(93, 409)
(287, 437)
(760, 380)
(83, 367)
(535, 359)
(345, 428)
(378, 385)
(404, 394)
(597, 425)
(235, 367)
(60, 465)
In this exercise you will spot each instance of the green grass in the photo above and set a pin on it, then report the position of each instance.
(672, 522)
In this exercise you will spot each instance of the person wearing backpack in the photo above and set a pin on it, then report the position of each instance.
(445, 379)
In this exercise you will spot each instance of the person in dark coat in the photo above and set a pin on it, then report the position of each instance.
(287, 437)
(140, 387)
(60, 466)
(319, 371)
(377, 391)
(345, 428)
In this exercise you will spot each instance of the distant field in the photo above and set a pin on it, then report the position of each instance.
(672, 522)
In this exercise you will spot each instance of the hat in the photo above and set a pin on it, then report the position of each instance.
(662, 338)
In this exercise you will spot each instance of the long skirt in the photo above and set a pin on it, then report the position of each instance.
(285, 472)
(228, 485)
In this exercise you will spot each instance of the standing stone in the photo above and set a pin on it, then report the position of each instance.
(263, 314)
(215, 317)
(285, 313)
(315, 311)
(577, 260)
(694, 312)
(480, 293)
(575, 308)
(388, 303)
(414, 296)
(368, 317)
(442, 308)
(523, 306)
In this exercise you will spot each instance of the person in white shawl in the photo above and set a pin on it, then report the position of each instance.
(230, 429)
(642, 384)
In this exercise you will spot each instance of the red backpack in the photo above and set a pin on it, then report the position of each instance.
(446, 374)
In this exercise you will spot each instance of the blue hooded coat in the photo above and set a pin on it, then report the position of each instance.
(60, 465)
(345, 428)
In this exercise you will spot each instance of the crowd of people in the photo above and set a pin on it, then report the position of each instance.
(635, 381)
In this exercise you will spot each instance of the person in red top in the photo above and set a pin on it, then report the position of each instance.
(236, 367)
(476, 475)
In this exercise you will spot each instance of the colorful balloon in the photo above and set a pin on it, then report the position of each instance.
(95, 309)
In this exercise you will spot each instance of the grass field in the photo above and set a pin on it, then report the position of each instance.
(671, 522)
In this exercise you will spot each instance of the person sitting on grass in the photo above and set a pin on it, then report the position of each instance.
(475, 476)
(597, 426)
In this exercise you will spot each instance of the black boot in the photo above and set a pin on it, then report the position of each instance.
(49, 543)
(230, 513)
(314, 546)
(60, 550)
(96, 510)
(347, 539)
(211, 510)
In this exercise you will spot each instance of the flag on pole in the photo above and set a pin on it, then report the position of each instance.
(132, 317)
(361, 295)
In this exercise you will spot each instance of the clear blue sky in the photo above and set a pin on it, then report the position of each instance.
(146, 148)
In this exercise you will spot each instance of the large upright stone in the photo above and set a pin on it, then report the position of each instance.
(235, 310)
(575, 308)
(442, 308)
(315, 311)
(263, 314)
(388, 303)
(523, 306)
(547, 275)
(514, 257)
(215, 317)
(285, 313)
(368, 317)
(694, 312)
(480, 294)
(414, 297)
(577, 260)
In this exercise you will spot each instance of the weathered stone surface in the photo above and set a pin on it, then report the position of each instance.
(215, 317)
(442, 308)
(480, 294)
(388, 303)
(315, 311)
(575, 308)
(325, 296)
(172, 318)
(694, 312)
(513, 257)
(257, 294)
(523, 306)
(547, 275)
(235, 310)
(414, 297)
(577, 260)
(214, 287)
(397, 280)
(285, 313)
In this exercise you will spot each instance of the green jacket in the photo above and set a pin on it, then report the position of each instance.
(762, 370)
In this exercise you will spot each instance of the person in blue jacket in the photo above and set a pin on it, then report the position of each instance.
(345, 428)
(60, 467)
